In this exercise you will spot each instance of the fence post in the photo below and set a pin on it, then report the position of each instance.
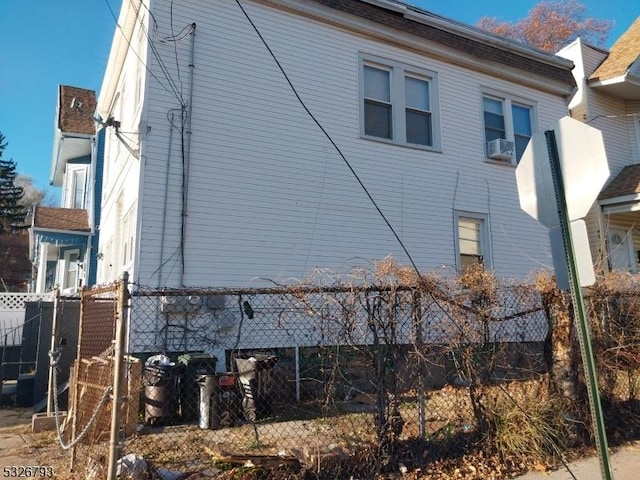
(54, 346)
(416, 318)
(118, 373)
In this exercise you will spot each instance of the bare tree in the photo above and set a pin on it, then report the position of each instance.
(550, 25)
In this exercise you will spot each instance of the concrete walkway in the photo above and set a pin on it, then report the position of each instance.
(15, 452)
(625, 463)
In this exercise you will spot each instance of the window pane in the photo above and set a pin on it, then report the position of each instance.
(521, 144)
(469, 236)
(521, 120)
(492, 105)
(419, 127)
(467, 261)
(376, 84)
(417, 93)
(493, 121)
(377, 119)
(78, 189)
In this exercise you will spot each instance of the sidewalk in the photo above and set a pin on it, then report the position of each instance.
(625, 463)
(15, 452)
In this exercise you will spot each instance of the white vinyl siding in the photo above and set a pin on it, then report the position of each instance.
(269, 198)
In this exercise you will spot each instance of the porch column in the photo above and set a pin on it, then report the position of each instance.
(42, 268)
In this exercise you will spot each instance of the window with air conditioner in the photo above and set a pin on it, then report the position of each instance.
(399, 103)
(508, 126)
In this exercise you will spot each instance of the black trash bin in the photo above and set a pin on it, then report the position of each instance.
(254, 374)
(160, 394)
(192, 366)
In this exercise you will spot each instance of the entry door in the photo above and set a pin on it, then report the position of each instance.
(621, 255)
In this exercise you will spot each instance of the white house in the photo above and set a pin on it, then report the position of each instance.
(608, 98)
(218, 173)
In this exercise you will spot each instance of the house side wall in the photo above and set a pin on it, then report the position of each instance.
(268, 195)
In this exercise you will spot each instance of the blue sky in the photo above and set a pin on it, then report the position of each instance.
(46, 43)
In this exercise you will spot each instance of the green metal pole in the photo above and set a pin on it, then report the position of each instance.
(584, 332)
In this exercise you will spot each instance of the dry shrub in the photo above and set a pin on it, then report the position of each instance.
(529, 425)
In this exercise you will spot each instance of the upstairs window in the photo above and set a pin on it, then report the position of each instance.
(508, 126)
(79, 182)
(399, 103)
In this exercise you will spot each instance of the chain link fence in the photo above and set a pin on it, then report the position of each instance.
(332, 382)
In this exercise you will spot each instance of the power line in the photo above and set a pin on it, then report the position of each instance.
(354, 173)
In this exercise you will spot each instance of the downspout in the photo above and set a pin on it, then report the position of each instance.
(166, 198)
(187, 160)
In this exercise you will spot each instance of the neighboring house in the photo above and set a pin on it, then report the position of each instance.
(63, 240)
(215, 175)
(608, 98)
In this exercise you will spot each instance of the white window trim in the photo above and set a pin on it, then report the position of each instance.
(485, 237)
(70, 184)
(66, 271)
(398, 121)
(507, 101)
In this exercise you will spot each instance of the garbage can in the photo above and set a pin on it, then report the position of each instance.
(226, 404)
(207, 384)
(254, 374)
(192, 366)
(160, 394)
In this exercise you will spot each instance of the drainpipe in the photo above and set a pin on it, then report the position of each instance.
(187, 160)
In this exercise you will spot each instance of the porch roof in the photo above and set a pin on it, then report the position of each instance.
(623, 191)
(61, 219)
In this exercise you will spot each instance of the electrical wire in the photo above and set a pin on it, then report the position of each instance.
(374, 203)
(175, 48)
(115, 19)
(163, 68)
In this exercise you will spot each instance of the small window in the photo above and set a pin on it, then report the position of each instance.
(72, 270)
(507, 119)
(472, 240)
(128, 230)
(399, 103)
(79, 182)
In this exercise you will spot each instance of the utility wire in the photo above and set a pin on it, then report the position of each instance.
(374, 203)
(163, 68)
(115, 19)
(326, 134)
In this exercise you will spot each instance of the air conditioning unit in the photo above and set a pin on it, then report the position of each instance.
(501, 149)
(180, 303)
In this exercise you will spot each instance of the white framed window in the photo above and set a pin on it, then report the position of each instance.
(399, 103)
(128, 231)
(79, 188)
(75, 186)
(472, 240)
(510, 119)
(71, 280)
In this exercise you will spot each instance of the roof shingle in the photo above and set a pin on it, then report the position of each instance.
(71, 120)
(73, 219)
(627, 182)
(622, 55)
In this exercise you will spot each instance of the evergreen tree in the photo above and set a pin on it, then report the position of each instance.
(12, 212)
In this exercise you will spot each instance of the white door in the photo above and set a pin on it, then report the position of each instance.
(621, 255)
